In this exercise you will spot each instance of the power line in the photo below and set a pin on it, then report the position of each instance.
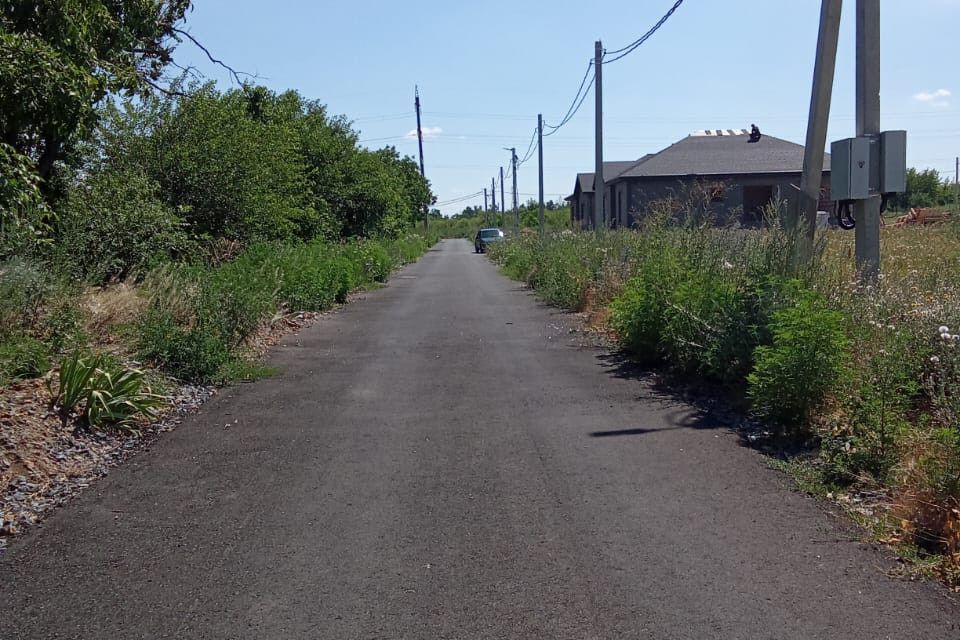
(579, 104)
(530, 149)
(627, 50)
(577, 100)
(460, 199)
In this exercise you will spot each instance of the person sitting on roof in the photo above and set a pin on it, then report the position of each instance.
(754, 133)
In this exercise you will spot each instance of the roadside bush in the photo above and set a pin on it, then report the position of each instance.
(199, 319)
(638, 314)
(316, 276)
(113, 226)
(23, 357)
(793, 375)
(190, 353)
(36, 303)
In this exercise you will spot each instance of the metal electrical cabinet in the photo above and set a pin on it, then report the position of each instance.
(850, 169)
(893, 162)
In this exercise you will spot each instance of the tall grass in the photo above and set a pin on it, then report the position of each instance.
(193, 320)
(199, 318)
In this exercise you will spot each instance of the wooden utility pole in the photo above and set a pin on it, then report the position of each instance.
(540, 157)
(485, 221)
(416, 103)
(493, 197)
(867, 212)
(807, 203)
(599, 217)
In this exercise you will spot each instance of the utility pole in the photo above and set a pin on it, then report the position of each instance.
(540, 157)
(805, 208)
(956, 186)
(493, 196)
(416, 103)
(503, 199)
(516, 211)
(867, 212)
(485, 207)
(599, 215)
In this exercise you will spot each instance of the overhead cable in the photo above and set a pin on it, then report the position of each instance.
(627, 50)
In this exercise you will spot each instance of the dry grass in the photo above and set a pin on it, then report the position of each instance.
(106, 308)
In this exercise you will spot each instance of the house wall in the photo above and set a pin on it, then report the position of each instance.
(729, 205)
(585, 207)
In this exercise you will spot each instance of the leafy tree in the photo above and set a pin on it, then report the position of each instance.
(254, 165)
(60, 58)
(924, 189)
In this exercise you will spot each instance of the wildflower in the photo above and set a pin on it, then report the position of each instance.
(946, 336)
(944, 329)
(891, 327)
(935, 359)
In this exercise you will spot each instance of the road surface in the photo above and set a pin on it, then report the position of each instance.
(445, 459)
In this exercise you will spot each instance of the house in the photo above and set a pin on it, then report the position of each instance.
(582, 199)
(731, 174)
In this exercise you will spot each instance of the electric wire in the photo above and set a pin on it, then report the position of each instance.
(460, 199)
(570, 116)
(577, 100)
(627, 50)
(530, 148)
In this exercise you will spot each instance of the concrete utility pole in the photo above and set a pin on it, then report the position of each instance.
(599, 217)
(416, 103)
(806, 205)
(540, 155)
(516, 210)
(493, 197)
(867, 212)
(503, 199)
(485, 221)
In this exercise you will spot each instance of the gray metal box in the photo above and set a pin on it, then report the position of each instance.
(893, 162)
(850, 169)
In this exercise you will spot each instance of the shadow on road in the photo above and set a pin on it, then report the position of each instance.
(694, 406)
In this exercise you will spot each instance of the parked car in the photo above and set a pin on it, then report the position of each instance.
(485, 237)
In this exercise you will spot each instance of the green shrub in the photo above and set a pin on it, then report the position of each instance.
(315, 276)
(793, 375)
(189, 353)
(878, 399)
(37, 303)
(113, 226)
(23, 357)
(699, 325)
(638, 314)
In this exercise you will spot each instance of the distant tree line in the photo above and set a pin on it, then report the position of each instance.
(925, 188)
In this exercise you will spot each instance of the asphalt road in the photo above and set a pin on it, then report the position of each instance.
(444, 459)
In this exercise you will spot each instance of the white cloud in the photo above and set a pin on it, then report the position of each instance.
(938, 98)
(428, 132)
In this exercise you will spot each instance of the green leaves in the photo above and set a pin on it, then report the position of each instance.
(60, 58)
(99, 392)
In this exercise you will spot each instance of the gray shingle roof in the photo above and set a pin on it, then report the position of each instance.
(722, 155)
(611, 170)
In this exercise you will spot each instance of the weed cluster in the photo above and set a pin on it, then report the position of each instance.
(199, 318)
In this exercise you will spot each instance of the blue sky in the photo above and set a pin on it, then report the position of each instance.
(486, 69)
